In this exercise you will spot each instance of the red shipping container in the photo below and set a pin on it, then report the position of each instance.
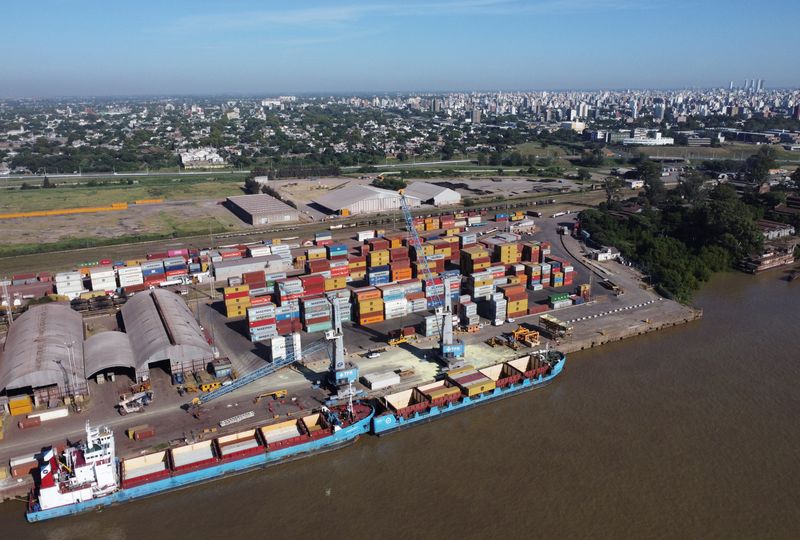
(144, 433)
(30, 423)
(263, 322)
(173, 273)
(253, 277)
(261, 300)
(240, 294)
(316, 320)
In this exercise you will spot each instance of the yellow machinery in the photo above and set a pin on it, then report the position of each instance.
(494, 341)
(526, 336)
(399, 340)
(208, 387)
(277, 394)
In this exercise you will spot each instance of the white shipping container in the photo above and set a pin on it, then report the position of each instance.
(52, 414)
(379, 381)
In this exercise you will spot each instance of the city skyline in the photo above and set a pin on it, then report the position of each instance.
(250, 48)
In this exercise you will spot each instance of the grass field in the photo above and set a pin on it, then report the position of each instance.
(728, 151)
(66, 197)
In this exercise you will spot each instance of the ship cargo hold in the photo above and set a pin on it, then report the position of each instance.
(466, 387)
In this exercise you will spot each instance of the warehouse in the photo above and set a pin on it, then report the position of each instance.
(162, 330)
(43, 354)
(235, 268)
(110, 353)
(433, 194)
(353, 200)
(261, 209)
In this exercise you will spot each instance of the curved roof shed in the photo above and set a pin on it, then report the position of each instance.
(108, 350)
(160, 326)
(37, 349)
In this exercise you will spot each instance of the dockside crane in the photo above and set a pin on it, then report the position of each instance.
(342, 373)
(451, 350)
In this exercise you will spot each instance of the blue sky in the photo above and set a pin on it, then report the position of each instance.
(127, 47)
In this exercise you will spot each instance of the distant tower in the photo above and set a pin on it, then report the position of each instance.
(760, 85)
(796, 114)
(730, 86)
(476, 116)
(634, 109)
(744, 86)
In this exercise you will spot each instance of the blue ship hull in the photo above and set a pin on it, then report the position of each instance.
(386, 423)
(340, 438)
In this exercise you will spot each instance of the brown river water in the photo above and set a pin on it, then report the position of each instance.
(692, 432)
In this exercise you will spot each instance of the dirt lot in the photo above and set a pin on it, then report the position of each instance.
(174, 216)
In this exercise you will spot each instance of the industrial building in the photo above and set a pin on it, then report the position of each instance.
(261, 209)
(43, 354)
(353, 200)
(162, 330)
(110, 352)
(432, 194)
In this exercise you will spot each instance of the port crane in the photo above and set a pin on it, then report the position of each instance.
(342, 372)
(451, 350)
(269, 369)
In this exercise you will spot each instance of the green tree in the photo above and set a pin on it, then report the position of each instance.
(756, 168)
(584, 175)
(691, 187)
(612, 186)
(796, 178)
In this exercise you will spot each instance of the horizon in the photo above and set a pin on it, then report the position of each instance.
(248, 48)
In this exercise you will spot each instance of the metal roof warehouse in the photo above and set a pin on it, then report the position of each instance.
(357, 199)
(261, 209)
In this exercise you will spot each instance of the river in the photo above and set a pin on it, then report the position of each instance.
(688, 432)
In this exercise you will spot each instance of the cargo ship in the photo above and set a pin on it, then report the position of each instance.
(466, 387)
(88, 475)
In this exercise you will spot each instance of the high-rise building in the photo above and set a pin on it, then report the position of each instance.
(796, 114)
(437, 105)
(476, 116)
(658, 111)
(760, 85)
(634, 109)
(730, 86)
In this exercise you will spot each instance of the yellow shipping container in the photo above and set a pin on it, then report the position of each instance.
(359, 274)
(355, 265)
(370, 306)
(316, 253)
(450, 234)
(236, 311)
(237, 289)
(378, 258)
(516, 307)
(243, 301)
(335, 283)
(480, 387)
(446, 251)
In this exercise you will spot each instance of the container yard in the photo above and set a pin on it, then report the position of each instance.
(266, 305)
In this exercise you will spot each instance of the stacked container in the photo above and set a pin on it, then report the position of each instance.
(287, 317)
(237, 300)
(261, 322)
(369, 305)
(474, 259)
(175, 266)
(357, 266)
(471, 381)
(480, 285)
(103, 279)
(495, 308)
(282, 348)
(288, 289)
(468, 312)
(69, 284)
(508, 253)
(153, 272)
(517, 300)
(560, 300)
(317, 315)
(130, 276)
(336, 251)
(378, 275)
